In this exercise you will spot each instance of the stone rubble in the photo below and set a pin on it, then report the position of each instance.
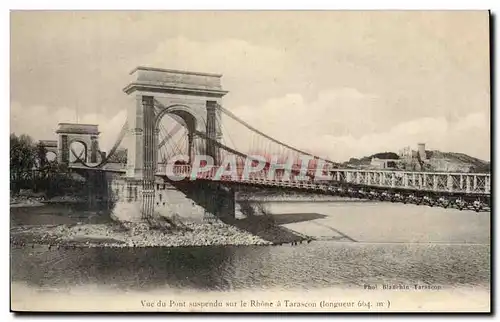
(22, 201)
(141, 235)
(30, 201)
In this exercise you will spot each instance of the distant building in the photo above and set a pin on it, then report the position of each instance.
(405, 153)
(419, 161)
(421, 151)
(377, 163)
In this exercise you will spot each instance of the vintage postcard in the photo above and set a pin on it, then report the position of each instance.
(250, 161)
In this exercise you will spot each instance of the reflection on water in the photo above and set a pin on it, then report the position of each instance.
(306, 266)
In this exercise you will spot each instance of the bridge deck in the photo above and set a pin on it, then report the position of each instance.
(439, 182)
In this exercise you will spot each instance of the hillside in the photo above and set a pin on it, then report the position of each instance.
(477, 165)
(437, 160)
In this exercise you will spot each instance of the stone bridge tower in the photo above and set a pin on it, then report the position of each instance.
(86, 134)
(50, 146)
(191, 98)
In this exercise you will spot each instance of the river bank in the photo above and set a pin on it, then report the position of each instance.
(65, 221)
(30, 201)
(133, 235)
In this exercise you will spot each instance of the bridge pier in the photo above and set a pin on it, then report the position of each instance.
(96, 187)
(221, 202)
(217, 200)
(127, 200)
(193, 201)
(91, 191)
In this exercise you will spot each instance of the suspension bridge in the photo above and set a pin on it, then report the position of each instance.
(198, 125)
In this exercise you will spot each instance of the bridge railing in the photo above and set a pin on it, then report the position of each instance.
(470, 183)
(429, 181)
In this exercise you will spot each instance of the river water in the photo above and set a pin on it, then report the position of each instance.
(359, 245)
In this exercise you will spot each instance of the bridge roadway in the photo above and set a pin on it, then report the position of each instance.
(417, 187)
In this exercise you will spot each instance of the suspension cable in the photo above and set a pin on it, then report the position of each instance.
(240, 154)
(234, 117)
(170, 134)
(119, 140)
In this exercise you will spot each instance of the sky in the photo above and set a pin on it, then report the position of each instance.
(339, 84)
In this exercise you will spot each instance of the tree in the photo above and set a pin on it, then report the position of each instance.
(22, 160)
(30, 169)
(385, 156)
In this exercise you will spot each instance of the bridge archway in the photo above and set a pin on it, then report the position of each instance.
(85, 134)
(50, 147)
(182, 116)
(78, 150)
(51, 156)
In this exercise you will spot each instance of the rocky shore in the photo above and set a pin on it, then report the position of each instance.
(133, 235)
(21, 201)
(168, 229)
(24, 201)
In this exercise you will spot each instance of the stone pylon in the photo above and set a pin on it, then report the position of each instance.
(191, 97)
